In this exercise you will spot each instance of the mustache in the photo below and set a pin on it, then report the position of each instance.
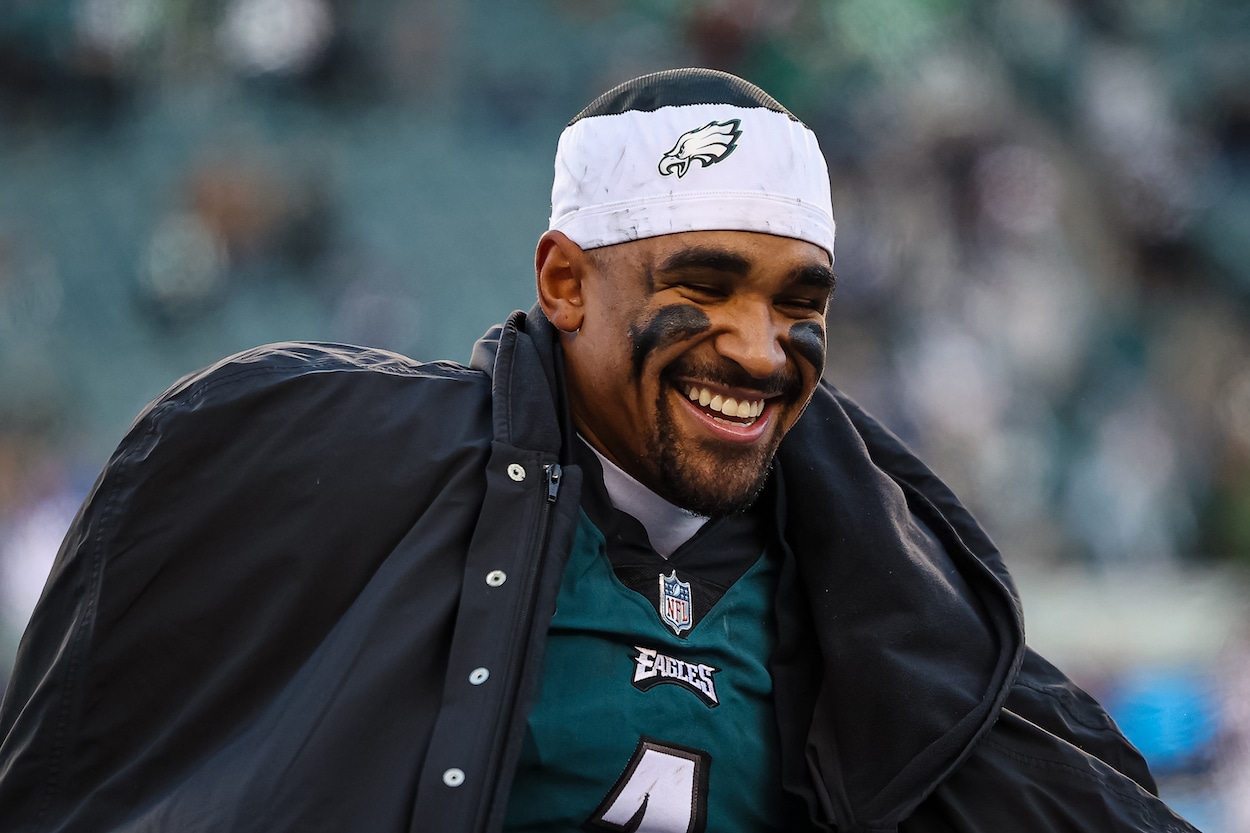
(785, 382)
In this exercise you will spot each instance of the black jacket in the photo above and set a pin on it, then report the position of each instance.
(268, 612)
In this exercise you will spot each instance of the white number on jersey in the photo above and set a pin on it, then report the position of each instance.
(663, 790)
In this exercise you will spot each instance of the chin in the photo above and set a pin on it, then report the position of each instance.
(726, 487)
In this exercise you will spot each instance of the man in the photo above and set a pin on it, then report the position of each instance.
(635, 568)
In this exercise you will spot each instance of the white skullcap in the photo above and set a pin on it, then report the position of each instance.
(689, 150)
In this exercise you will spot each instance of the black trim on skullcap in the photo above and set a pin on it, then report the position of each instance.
(678, 87)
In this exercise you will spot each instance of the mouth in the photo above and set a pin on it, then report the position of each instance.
(732, 415)
(724, 407)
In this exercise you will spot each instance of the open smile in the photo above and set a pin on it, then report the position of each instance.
(738, 417)
(726, 406)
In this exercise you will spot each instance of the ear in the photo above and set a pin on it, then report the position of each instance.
(560, 266)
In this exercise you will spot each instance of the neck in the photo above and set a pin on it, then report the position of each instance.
(668, 525)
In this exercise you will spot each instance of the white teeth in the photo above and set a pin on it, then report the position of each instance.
(727, 405)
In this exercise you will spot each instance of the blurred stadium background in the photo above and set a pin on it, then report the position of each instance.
(1044, 261)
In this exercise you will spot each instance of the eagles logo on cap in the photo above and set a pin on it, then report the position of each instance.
(706, 145)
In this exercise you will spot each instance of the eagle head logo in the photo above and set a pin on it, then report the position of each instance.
(706, 145)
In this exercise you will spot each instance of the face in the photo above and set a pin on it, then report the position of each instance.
(695, 354)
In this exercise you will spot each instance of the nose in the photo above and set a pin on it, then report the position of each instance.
(751, 336)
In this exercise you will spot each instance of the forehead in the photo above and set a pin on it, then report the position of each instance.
(697, 249)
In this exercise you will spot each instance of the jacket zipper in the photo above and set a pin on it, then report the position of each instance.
(552, 473)
(551, 480)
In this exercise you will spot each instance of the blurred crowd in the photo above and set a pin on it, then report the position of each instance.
(1043, 252)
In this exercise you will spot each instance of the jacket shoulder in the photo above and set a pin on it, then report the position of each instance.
(307, 404)
(273, 364)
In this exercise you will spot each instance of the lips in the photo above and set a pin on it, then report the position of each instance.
(723, 423)
(725, 404)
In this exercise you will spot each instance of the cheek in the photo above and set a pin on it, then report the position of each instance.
(808, 341)
(667, 326)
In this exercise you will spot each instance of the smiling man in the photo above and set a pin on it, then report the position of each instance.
(635, 568)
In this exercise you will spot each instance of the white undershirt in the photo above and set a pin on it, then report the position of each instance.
(668, 525)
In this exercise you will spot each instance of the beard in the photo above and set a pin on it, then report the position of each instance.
(715, 479)
(713, 485)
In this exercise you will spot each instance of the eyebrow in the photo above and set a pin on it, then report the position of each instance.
(813, 275)
(818, 277)
(704, 257)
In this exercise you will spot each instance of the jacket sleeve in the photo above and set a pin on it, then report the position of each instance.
(222, 558)
(1054, 761)
(1047, 756)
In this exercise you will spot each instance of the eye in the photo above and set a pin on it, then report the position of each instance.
(803, 304)
(702, 292)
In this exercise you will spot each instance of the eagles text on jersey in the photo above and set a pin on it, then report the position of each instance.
(653, 668)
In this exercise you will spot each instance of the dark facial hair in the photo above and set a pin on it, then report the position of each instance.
(740, 473)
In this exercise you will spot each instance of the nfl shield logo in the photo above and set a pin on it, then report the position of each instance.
(675, 607)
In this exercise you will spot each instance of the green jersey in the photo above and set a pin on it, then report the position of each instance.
(656, 710)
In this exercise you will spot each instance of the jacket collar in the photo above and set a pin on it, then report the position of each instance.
(529, 407)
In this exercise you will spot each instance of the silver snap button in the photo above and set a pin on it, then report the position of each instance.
(517, 472)
(479, 675)
(496, 577)
(453, 777)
